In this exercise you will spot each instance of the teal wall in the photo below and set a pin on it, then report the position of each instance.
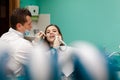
(24, 3)
(96, 21)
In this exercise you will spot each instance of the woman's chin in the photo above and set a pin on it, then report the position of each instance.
(51, 40)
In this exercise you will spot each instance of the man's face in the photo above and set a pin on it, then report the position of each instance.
(27, 25)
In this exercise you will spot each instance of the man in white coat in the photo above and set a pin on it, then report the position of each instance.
(22, 48)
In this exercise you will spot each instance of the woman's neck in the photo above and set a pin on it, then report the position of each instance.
(51, 44)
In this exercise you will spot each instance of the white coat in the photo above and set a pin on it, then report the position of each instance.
(21, 48)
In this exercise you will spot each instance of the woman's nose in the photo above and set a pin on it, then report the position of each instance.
(52, 34)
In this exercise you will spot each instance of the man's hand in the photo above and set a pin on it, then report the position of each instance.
(39, 36)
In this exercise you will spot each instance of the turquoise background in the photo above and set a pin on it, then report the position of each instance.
(96, 21)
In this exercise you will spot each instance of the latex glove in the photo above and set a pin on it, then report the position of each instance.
(39, 36)
(57, 41)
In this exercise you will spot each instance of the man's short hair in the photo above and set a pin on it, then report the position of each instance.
(19, 16)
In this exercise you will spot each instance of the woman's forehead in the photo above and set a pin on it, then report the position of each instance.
(52, 27)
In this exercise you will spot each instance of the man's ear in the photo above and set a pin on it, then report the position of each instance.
(18, 26)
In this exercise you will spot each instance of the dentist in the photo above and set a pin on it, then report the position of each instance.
(20, 21)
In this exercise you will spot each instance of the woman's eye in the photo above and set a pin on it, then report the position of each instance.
(47, 32)
(54, 31)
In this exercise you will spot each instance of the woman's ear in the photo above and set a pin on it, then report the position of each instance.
(60, 36)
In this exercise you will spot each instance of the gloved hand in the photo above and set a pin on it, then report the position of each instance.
(39, 36)
(57, 41)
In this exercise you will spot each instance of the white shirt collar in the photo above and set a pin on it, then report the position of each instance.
(17, 32)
